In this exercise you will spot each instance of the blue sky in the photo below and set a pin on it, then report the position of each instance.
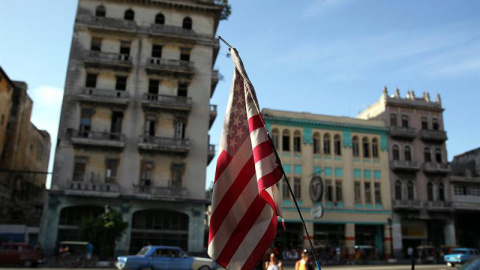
(321, 56)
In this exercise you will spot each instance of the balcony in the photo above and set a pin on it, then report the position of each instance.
(404, 165)
(404, 204)
(213, 114)
(96, 139)
(215, 79)
(436, 168)
(165, 102)
(92, 189)
(173, 31)
(437, 205)
(153, 192)
(103, 96)
(166, 145)
(108, 24)
(438, 136)
(169, 67)
(211, 152)
(107, 60)
(403, 133)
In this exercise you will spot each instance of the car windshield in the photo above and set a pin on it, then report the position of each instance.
(143, 251)
(471, 265)
(459, 251)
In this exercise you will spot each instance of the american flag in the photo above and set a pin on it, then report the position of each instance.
(246, 201)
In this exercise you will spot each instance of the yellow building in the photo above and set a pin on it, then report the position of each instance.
(6, 92)
(351, 157)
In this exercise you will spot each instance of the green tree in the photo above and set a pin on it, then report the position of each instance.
(227, 9)
(103, 231)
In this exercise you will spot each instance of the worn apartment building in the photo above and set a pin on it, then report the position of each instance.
(24, 156)
(134, 126)
(422, 199)
(351, 157)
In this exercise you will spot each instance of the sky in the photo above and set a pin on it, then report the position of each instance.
(321, 56)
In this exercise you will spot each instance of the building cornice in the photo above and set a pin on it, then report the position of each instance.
(180, 4)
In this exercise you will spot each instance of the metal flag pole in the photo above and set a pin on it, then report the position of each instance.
(278, 157)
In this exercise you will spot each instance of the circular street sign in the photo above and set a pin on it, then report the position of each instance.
(316, 188)
(317, 212)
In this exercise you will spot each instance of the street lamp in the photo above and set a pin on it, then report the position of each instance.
(392, 254)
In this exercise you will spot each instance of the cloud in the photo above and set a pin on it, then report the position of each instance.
(320, 6)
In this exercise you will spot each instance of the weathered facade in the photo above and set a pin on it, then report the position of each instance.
(351, 157)
(422, 201)
(135, 119)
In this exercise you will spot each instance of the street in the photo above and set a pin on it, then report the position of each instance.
(365, 267)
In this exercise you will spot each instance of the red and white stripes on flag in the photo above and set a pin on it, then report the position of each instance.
(246, 201)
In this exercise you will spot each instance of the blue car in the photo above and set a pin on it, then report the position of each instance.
(460, 255)
(163, 257)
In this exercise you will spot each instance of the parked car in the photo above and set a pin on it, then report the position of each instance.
(20, 253)
(460, 255)
(425, 254)
(473, 264)
(163, 257)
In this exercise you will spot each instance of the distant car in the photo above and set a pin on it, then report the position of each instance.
(460, 255)
(20, 253)
(163, 257)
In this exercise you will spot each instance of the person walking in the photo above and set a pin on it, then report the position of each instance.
(90, 248)
(274, 263)
(304, 263)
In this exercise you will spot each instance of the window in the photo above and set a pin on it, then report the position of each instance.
(378, 193)
(157, 51)
(153, 86)
(100, 11)
(79, 169)
(366, 148)
(426, 155)
(182, 90)
(326, 144)
(438, 155)
(96, 45)
(316, 143)
(398, 190)
(408, 153)
(91, 80)
(177, 175)
(396, 152)
(160, 19)
(460, 190)
(405, 121)
(121, 83)
(286, 140)
(111, 172)
(146, 174)
(116, 125)
(297, 191)
(441, 192)
(185, 55)
(338, 191)
(368, 193)
(358, 192)
(375, 148)
(355, 147)
(129, 15)
(180, 130)
(125, 48)
(393, 120)
(410, 191)
(285, 191)
(430, 191)
(424, 123)
(337, 145)
(187, 23)
(435, 124)
(85, 121)
(328, 190)
(297, 141)
(275, 137)
(150, 122)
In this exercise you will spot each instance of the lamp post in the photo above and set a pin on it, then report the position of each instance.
(390, 225)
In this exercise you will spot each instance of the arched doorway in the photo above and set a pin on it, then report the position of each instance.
(71, 218)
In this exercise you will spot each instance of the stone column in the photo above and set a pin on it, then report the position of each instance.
(449, 231)
(387, 239)
(196, 228)
(122, 246)
(397, 235)
(48, 233)
(350, 239)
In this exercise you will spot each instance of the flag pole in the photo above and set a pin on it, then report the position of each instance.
(278, 158)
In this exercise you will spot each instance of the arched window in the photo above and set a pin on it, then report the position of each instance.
(286, 140)
(398, 190)
(326, 143)
(396, 152)
(426, 155)
(355, 147)
(410, 192)
(393, 120)
(408, 153)
(129, 15)
(430, 191)
(337, 145)
(405, 121)
(100, 11)
(297, 141)
(316, 143)
(375, 148)
(187, 23)
(438, 155)
(424, 123)
(275, 137)
(435, 124)
(441, 192)
(160, 19)
(366, 147)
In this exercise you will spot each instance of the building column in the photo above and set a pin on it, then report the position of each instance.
(350, 239)
(122, 246)
(48, 233)
(449, 232)
(309, 226)
(196, 227)
(397, 235)
(387, 239)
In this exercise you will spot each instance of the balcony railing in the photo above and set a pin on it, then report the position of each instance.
(99, 139)
(403, 132)
(167, 102)
(156, 191)
(436, 168)
(170, 66)
(433, 135)
(151, 143)
(95, 95)
(162, 29)
(213, 114)
(404, 165)
(211, 152)
(115, 61)
(92, 189)
(437, 204)
(407, 204)
(109, 24)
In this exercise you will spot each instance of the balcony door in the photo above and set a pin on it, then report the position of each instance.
(116, 126)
